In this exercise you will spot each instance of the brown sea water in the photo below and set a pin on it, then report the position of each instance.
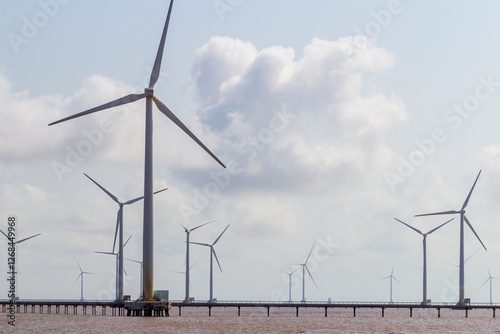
(196, 320)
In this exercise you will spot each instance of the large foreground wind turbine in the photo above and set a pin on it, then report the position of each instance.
(119, 231)
(304, 269)
(188, 232)
(147, 243)
(424, 235)
(212, 254)
(461, 295)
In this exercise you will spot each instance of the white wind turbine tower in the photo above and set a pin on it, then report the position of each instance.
(140, 284)
(16, 242)
(212, 254)
(424, 235)
(490, 278)
(119, 283)
(148, 234)
(119, 231)
(461, 296)
(82, 273)
(289, 283)
(188, 232)
(304, 269)
(392, 277)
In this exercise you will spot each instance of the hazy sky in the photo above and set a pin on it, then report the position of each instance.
(333, 118)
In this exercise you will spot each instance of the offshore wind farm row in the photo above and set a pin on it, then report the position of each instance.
(148, 251)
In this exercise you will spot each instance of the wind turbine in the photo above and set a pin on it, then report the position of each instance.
(119, 231)
(140, 262)
(16, 242)
(391, 276)
(82, 273)
(147, 243)
(424, 235)
(212, 254)
(490, 278)
(119, 283)
(461, 295)
(188, 232)
(184, 273)
(304, 268)
(289, 282)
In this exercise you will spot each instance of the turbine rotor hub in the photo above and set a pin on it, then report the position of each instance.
(149, 92)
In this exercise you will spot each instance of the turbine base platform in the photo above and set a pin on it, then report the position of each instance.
(148, 308)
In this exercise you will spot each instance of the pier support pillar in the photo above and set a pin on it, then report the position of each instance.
(239, 311)
(383, 310)
(354, 311)
(439, 312)
(268, 311)
(297, 311)
(494, 312)
(466, 312)
(179, 311)
(326, 311)
(411, 312)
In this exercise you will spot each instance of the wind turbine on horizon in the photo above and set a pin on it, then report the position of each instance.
(490, 278)
(119, 231)
(392, 277)
(16, 242)
(424, 235)
(461, 295)
(212, 254)
(140, 284)
(82, 273)
(289, 282)
(304, 269)
(119, 288)
(188, 232)
(148, 234)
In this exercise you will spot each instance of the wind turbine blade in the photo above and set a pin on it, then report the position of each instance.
(197, 243)
(133, 200)
(194, 228)
(213, 251)
(467, 259)
(439, 226)
(5, 235)
(123, 100)
(159, 191)
(184, 227)
(174, 119)
(78, 265)
(136, 261)
(159, 55)
(107, 253)
(118, 220)
(76, 279)
(125, 244)
(125, 271)
(470, 192)
(220, 235)
(36, 235)
(414, 229)
(470, 226)
(311, 277)
(310, 252)
(484, 283)
(397, 280)
(438, 213)
(194, 264)
(103, 189)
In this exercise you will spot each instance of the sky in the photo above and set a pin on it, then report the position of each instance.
(332, 117)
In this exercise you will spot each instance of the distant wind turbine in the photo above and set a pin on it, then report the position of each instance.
(490, 278)
(212, 254)
(391, 276)
(16, 259)
(188, 232)
(119, 231)
(304, 269)
(289, 282)
(119, 288)
(461, 296)
(148, 235)
(140, 284)
(424, 235)
(82, 273)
